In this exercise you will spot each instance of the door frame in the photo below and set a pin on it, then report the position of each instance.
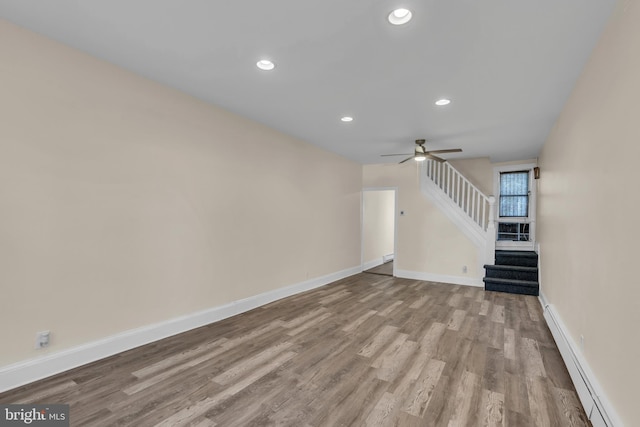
(395, 224)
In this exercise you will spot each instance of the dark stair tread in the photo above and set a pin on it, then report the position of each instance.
(527, 283)
(511, 267)
(511, 289)
(523, 254)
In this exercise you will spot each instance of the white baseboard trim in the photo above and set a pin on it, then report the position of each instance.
(388, 257)
(373, 263)
(596, 404)
(431, 277)
(24, 372)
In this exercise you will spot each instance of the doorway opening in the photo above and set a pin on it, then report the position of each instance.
(378, 231)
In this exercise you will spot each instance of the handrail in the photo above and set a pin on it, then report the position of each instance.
(462, 192)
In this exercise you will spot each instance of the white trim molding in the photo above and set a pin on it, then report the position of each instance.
(369, 264)
(596, 405)
(25, 372)
(366, 265)
(440, 278)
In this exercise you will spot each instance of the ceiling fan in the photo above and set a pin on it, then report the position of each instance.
(420, 153)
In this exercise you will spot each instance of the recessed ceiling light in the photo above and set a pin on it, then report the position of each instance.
(443, 101)
(265, 65)
(347, 119)
(400, 16)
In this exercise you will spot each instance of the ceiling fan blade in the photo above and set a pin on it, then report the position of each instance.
(452, 150)
(387, 155)
(436, 158)
(407, 159)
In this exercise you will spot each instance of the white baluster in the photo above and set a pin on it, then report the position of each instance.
(452, 191)
(455, 187)
(473, 205)
(433, 172)
(468, 205)
(484, 209)
(446, 178)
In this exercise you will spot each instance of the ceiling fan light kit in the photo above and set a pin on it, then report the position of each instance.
(421, 154)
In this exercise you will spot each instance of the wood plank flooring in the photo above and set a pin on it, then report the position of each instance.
(368, 350)
(385, 269)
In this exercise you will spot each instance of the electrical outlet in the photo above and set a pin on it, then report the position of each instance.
(42, 339)
(464, 268)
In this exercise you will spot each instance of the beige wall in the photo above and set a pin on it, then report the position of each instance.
(378, 221)
(125, 203)
(427, 241)
(588, 206)
(479, 171)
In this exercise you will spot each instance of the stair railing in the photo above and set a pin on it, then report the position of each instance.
(477, 206)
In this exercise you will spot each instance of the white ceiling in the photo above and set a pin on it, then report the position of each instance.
(507, 65)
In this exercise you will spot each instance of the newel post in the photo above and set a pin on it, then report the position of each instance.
(491, 233)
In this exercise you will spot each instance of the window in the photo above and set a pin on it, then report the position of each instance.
(514, 194)
(514, 231)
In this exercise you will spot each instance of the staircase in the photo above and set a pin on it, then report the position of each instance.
(514, 272)
(473, 213)
(470, 209)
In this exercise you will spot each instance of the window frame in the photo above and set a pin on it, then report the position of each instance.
(527, 195)
(530, 219)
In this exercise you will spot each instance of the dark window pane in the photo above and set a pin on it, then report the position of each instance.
(514, 194)
(514, 183)
(514, 205)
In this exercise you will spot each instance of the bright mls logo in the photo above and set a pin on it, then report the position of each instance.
(34, 415)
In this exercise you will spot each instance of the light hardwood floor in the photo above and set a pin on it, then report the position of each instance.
(368, 350)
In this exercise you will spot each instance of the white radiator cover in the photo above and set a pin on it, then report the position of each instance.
(595, 403)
